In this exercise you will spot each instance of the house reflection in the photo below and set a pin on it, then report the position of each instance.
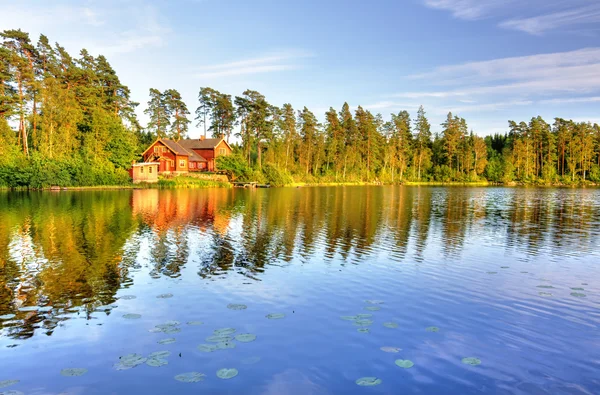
(164, 210)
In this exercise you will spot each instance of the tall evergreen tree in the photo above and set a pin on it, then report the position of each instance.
(175, 106)
(159, 112)
(422, 141)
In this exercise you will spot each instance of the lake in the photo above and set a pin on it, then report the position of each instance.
(301, 291)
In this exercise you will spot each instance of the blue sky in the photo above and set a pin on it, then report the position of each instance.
(485, 60)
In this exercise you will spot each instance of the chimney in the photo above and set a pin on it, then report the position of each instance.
(202, 138)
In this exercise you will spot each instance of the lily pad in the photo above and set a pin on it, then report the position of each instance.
(219, 338)
(233, 306)
(578, 294)
(165, 296)
(391, 349)
(128, 297)
(363, 330)
(7, 317)
(8, 383)
(578, 289)
(471, 361)
(275, 316)
(195, 323)
(132, 316)
(170, 340)
(245, 338)
(404, 363)
(224, 331)
(73, 372)
(129, 361)
(364, 322)
(207, 348)
(191, 377)
(168, 327)
(225, 345)
(504, 267)
(160, 354)
(363, 316)
(432, 329)
(374, 301)
(227, 373)
(373, 308)
(12, 392)
(368, 381)
(545, 286)
(251, 360)
(492, 272)
(349, 317)
(156, 362)
(391, 325)
(546, 294)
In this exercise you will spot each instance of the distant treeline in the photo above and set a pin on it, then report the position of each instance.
(74, 124)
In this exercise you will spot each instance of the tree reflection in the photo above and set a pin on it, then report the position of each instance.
(70, 252)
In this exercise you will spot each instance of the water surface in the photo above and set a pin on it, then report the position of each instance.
(507, 276)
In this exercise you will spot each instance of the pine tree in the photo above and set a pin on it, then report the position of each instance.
(175, 106)
(159, 112)
(422, 141)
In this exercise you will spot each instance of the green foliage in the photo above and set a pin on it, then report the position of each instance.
(595, 173)
(40, 172)
(276, 177)
(190, 182)
(236, 166)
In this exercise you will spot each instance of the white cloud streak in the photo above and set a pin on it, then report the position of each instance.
(282, 61)
(468, 9)
(538, 25)
(573, 71)
(534, 17)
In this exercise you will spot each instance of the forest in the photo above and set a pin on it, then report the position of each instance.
(69, 121)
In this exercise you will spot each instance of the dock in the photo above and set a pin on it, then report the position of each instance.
(249, 184)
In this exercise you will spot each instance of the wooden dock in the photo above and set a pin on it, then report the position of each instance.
(249, 184)
(244, 184)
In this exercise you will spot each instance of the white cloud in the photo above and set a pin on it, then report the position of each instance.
(540, 24)
(102, 28)
(573, 71)
(282, 61)
(534, 17)
(572, 100)
(467, 9)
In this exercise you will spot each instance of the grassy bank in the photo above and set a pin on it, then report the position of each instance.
(188, 182)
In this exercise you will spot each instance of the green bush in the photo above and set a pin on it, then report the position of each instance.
(276, 177)
(236, 166)
(595, 173)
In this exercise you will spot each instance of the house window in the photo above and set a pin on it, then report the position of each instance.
(182, 163)
(150, 170)
(141, 169)
(221, 151)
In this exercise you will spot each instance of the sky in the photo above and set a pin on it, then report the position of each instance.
(488, 61)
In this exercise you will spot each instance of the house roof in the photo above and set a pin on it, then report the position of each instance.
(175, 147)
(201, 144)
(194, 157)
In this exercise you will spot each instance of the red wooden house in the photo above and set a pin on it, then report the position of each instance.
(186, 155)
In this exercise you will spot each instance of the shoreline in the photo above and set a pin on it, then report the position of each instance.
(174, 184)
